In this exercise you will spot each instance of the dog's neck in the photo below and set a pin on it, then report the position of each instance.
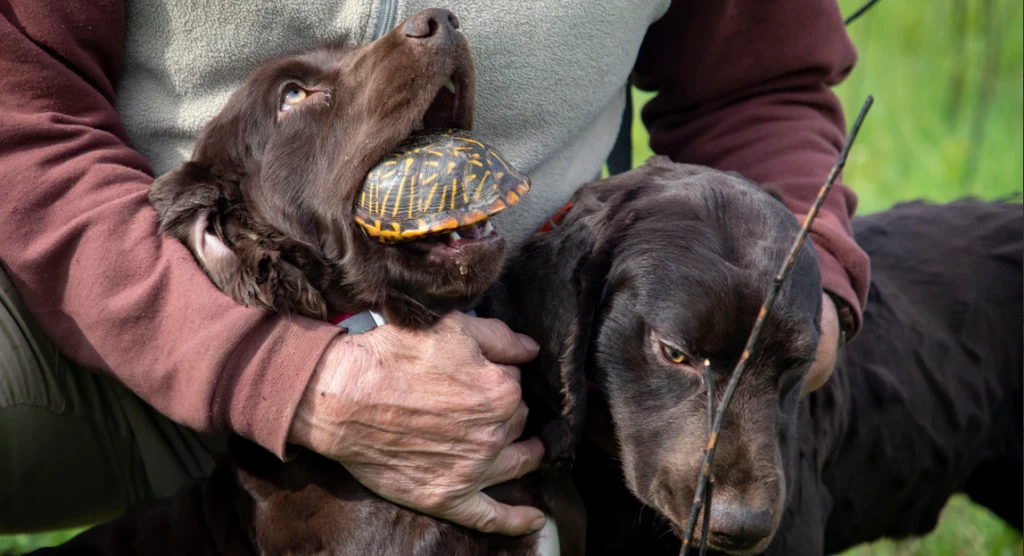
(357, 323)
(364, 321)
(600, 429)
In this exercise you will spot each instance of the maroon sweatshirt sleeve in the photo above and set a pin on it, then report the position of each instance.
(743, 85)
(79, 239)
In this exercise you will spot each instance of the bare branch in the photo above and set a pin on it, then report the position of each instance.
(749, 349)
(709, 377)
(855, 15)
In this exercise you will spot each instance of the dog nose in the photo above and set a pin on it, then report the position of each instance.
(432, 24)
(738, 528)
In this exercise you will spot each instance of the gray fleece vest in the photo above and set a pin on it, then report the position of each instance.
(550, 74)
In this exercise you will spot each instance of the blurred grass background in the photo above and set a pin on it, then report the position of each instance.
(948, 81)
(947, 118)
(947, 123)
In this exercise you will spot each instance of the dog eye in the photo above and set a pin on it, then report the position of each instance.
(292, 96)
(673, 354)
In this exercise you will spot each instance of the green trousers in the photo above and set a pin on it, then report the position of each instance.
(77, 448)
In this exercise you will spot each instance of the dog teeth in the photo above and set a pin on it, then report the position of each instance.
(488, 229)
(454, 238)
(450, 85)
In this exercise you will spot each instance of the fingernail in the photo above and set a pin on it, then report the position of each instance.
(528, 342)
(538, 524)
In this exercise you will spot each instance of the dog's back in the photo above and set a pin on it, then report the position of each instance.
(927, 401)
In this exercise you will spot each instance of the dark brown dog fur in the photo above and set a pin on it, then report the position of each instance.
(265, 205)
(675, 254)
(925, 403)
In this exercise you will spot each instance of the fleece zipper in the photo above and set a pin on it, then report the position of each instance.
(385, 17)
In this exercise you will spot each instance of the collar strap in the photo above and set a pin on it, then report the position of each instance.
(357, 323)
(550, 224)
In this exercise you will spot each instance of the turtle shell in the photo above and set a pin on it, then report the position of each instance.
(435, 182)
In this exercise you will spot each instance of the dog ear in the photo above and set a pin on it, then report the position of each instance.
(551, 291)
(588, 288)
(187, 201)
(202, 211)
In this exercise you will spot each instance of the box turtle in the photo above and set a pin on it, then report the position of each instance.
(437, 182)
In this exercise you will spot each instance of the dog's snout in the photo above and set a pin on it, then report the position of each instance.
(738, 528)
(434, 24)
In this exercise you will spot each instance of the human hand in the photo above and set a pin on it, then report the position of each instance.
(828, 347)
(427, 418)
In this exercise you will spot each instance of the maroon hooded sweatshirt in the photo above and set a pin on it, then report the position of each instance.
(743, 85)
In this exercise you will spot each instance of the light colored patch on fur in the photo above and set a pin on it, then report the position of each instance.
(208, 247)
(220, 262)
(547, 540)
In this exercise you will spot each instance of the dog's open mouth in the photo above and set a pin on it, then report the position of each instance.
(438, 186)
(449, 108)
(480, 233)
(446, 111)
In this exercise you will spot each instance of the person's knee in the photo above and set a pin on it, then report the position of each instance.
(79, 447)
(66, 457)
(58, 470)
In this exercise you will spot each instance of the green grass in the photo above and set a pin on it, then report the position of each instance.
(923, 139)
(17, 544)
(964, 529)
(945, 124)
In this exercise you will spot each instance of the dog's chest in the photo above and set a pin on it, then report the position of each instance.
(547, 540)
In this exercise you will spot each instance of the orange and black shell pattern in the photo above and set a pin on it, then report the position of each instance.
(435, 182)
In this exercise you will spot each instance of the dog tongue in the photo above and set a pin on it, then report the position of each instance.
(473, 232)
(466, 234)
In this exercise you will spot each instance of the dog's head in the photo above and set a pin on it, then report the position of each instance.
(265, 203)
(667, 267)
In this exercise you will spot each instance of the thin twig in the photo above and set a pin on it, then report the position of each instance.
(707, 519)
(853, 17)
(709, 377)
(748, 350)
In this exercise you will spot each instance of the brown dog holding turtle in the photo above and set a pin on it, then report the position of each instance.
(411, 239)
(324, 209)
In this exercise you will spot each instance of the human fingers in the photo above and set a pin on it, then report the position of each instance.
(514, 461)
(828, 348)
(517, 423)
(498, 343)
(483, 513)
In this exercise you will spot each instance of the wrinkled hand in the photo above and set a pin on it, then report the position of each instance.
(828, 347)
(426, 419)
